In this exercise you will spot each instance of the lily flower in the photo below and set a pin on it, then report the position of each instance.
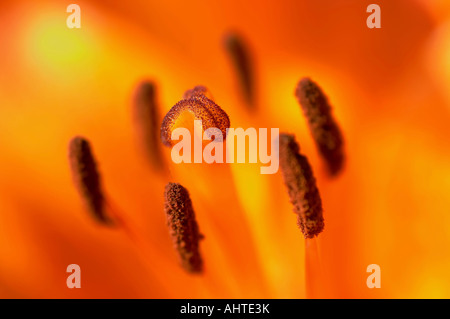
(387, 206)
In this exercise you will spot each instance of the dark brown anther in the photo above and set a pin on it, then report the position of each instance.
(301, 185)
(87, 178)
(241, 59)
(196, 91)
(204, 109)
(183, 227)
(323, 127)
(146, 119)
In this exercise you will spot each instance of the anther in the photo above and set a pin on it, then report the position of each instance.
(323, 127)
(183, 227)
(204, 109)
(301, 185)
(240, 57)
(145, 112)
(87, 178)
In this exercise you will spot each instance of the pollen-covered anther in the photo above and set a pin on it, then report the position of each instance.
(87, 178)
(204, 109)
(301, 185)
(183, 227)
(323, 127)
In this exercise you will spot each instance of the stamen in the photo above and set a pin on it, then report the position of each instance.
(322, 125)
(240, 57)
(204, 109)
(146, 117)
(87, 178)
(196, 91)
(301, 185)
(183, 227)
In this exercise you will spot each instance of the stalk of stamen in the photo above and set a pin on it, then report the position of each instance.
(183, 227)
(314, 279)
(146, 119)
(323, 127)
(240, 57)
(87, 178)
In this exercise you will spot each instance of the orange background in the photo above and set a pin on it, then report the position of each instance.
(389, 89)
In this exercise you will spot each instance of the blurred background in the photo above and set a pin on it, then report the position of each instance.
(389, 91)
